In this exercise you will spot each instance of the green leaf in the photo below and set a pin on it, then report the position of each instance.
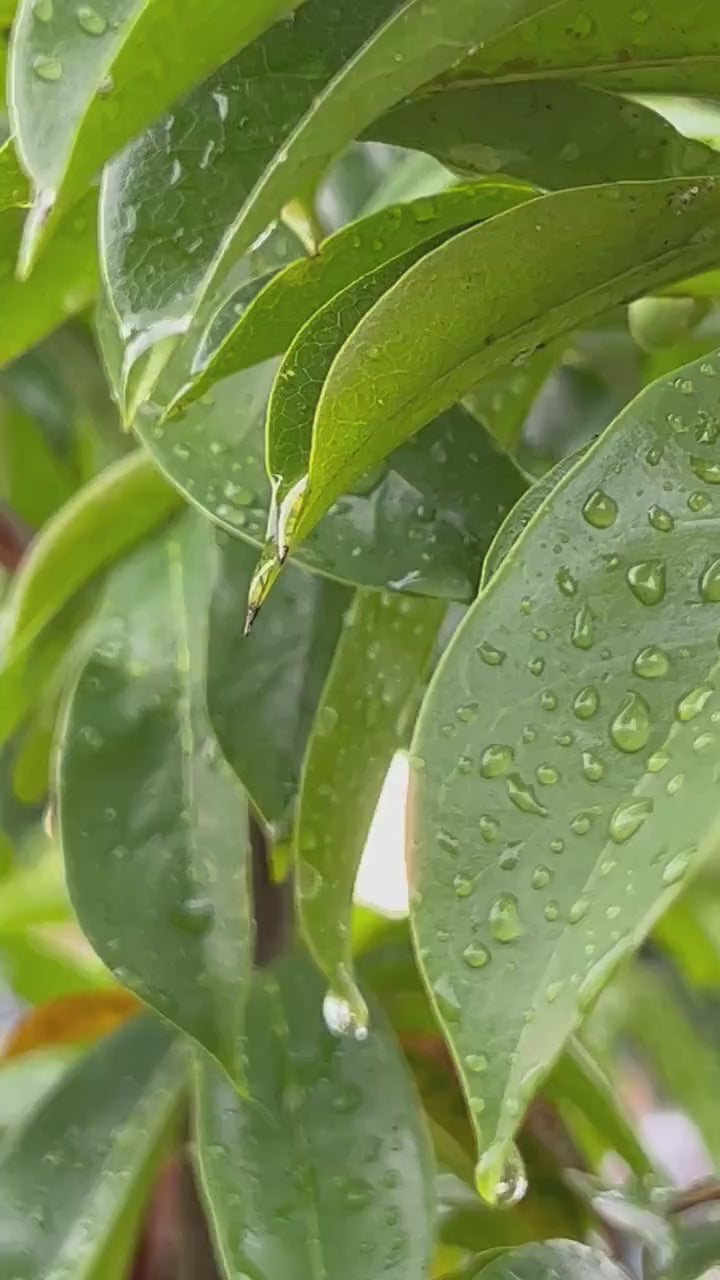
(38, 965)
(269, 324)
(556, 1260)
(521, 515)
(369, 698)
(552, 134)
(34, 481)
(581, 696)
(84, 80)
(83, 1158)
(289, 1193)
(698, 1249)
(420, 524)
(263, 689)
(153, 823)
(576, 254)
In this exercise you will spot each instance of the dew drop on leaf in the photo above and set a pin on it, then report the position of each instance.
(630, 726)
(489, 654)
(710, 583)
(541, 877)
(592, 766)
(47, 68)
(706, 470)
(583, 630)
(600, 510)
(651, 663)
(628, 818)
(477, 1063)
(586, 702)
(90, 21)
(462, 885)
(505, 923)
(647, 581)
(476, 955)
(523, 796)
(547, 775)
(496, 761)
(694, 702)
(661, 519)
(500, 1177)
(342, 1020)
(677, 867)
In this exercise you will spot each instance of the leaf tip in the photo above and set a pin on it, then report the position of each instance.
(34, 232)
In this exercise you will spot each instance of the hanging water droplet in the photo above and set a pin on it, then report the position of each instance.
(547, 774)
(496, 761)
(647, 581)
(600, 510)
(47, 68)
(630, 726)
(710, 583)
(706, 470)
(583, 629)
(566, 582)
(477, 1063)
(500, 1177)
(489, 654)
(678, 866)
(476, 955)
(343, 1020)
(523, 796)
(462, 885)
(694, 702)
(651, 663)
(628, 818)
(504, 919)
(541, 877)
(447, 841)
(660, 519)
(92, 22)
(586, 702)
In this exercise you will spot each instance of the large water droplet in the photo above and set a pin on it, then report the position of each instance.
(476, 955)
(586, 702)
(694, 702)
(630, 726)
(628, 818)
(342, 1019)
(505, 923)
(706, 470)
(710, 583)
(660, 519)
(651, 663)
(496, 760)
(647, 581)
(523, 796)
(500, 1177)
(489, 654)
(547, 774)
(583, 629)
(600, 510)
(592, 766)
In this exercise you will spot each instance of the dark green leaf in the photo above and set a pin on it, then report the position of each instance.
(84, 1157)
(152, 821)
(34, 481)
(552, 134)
(263, 689)
(288, 1192)
(575, 255)
(85, 79)
(572, 705)
(556, 1260)
(698, 1249)
(370, 695)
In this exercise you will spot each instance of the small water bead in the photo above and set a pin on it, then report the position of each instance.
(541, 877)
(553, 991)
(504, 919)
(43, 10)
(502, 1187)
(489, 654)
(536, 666)
(581, 824)
(698, 502)
(462, 885)
(548, 700)
(600, 510)
(496, 760)
(678, 866)
(47, 68)
(706, 470)
(540, 633)
(447, 841)
(586, 702)
(592, 767)
(703, 741)
(551, 912)
(342, 1020)
(477, 1063)
(674, 784)
(628, 818)
(563, 739)
(651, 663)
(647, 581)
(653, 456)
(661, 519)
(710, 583)
(583, 629)
(523, 796)
(557, 845)
(578, 911)
(630, 726)
(476, 955)
(465, 764)
(90, 21)
(510, 857)
(468, 712)
(547, 774)
(477, 1105)
(566, 582)
(529, 734)
(194, 916)
(693, 703)
(612, 913)
(489, 828)
(657, 761)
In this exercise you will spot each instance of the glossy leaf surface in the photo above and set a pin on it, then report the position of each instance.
(287, 1191)
(575, 254)
(555, 1260)
(569, 750)
(366, 707)
(83, 1159)
(153, 823)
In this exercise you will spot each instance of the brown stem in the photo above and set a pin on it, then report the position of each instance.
(705, 1192)
(15, 539)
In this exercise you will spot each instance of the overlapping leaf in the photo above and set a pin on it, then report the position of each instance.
(325, 1169)
(555, 1260)
(569, 750)
(152, 821)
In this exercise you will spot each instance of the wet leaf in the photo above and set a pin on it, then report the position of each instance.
(698, 1249)
(85, 79)
(34, 480)
(263, 689)
(553, 134)
(153, 823)
(69, 1020)
(365, 710)
(575, 253)
(581, 688)
(555, 1260)
(287, 1191)
(271, 322)
(82, 1162)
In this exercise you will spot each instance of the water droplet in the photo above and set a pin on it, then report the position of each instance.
(505, 924)
(325, 721)
(630, 726)
(678, 866)
(592, 766)
(496, 761)
(47, 68)
(476, 955)
(446, 999)
(674, 784)
(647, 581)
(462, 885)
(553, 991)
(536, 666)
(628, 818)
(694, 702)
(342, 1019)
(477, 1105)
(581, 25)
(566, 582)
(465, 764)
(43, 10)
(703, 741)
(586, 702)
(706, 470)
(563, 739)
(347, 1100)
(500, 1177)
(578, 910)
(653, 456)
(660, 519)
(547, 774)
(710, 583)
(581, 824)
(600, 510)
(529, 734)
(551, 912)
(194, 916)
(468, 712)
(523, 796)
(557, 845)
(548, 700)
(657, 761)
(489, 654)
(540, 633)
(477, 1063)
(489, 828)
(448, 841)
(541, 877)
(92, 22)
(651, 663)
(613, 912)
(699, 502)
(509, 857)
(583, 629)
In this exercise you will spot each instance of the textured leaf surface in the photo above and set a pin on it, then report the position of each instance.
(366, 706)
(555, 1260)
(552, 134)
(272, 320)
(287, 1191)
(84, 80)
(76, 1167)
(575, 254)
(263, 689)
(153, 823)
(570, 750)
